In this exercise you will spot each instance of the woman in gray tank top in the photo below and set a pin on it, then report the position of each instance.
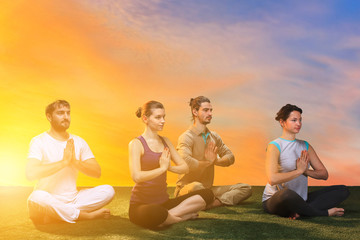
(288, 162)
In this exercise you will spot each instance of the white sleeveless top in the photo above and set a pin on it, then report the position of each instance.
(290, 151)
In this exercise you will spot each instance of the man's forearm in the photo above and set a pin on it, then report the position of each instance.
(224, 161)
(203, 165)
(88, 167)
(36, 169)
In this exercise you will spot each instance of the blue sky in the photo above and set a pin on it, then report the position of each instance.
(255, 56)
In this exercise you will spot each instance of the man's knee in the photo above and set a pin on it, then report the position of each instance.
(247, 189)
(243, 186)
(38, 203)
(191, 187)
(107, 191)
(40, 197)
(244, 190)
(194, 186)
(236, 194)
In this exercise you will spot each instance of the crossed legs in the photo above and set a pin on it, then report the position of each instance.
(172, 211)
(323, 202)
(224, 195)
(86, 204)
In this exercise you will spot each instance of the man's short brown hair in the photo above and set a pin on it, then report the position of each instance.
(58, 103)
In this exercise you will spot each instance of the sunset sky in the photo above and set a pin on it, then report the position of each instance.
(249, 57)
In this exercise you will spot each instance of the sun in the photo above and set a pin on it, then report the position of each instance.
(12, 168)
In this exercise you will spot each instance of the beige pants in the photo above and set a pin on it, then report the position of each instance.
(228, 194)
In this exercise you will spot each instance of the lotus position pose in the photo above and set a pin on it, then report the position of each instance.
(54, 159)
(202, 150)
(149, 159)
(287, 167)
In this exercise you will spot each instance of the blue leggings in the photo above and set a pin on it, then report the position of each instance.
(287, 202)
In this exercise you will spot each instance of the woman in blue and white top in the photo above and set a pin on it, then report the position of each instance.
(288, 162)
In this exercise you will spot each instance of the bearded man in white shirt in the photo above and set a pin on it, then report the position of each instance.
(54, 159)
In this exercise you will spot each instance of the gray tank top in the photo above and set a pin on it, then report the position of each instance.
(289, 152)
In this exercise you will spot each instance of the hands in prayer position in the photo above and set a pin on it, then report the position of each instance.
(302, 163)
(211, 153)
(164, 160)
(69, 153)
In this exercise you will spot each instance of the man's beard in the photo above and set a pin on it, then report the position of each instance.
(205, 122)
(59, 127)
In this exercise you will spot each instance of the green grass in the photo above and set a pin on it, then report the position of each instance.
(246, 221)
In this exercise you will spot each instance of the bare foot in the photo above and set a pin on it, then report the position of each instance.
(294, 216)
(336, 212)
(100, 213)
(214, 204)
(194, 216)
(190, 216)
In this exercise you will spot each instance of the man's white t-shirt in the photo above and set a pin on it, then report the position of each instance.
(48, 150)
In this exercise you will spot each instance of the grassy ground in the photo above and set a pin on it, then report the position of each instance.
(246, 221)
